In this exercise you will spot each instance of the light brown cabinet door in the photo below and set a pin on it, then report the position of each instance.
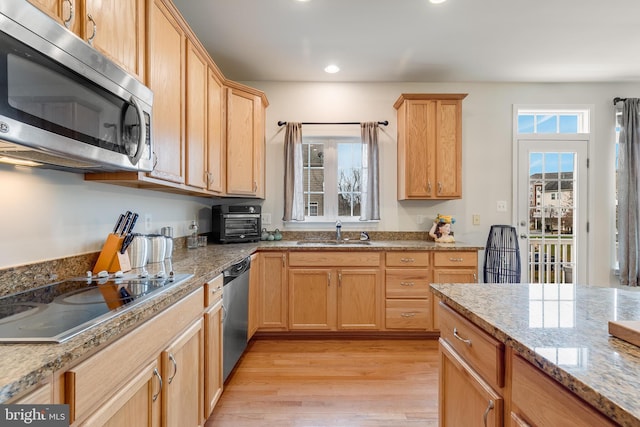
(216, 132)
(312, 299)
(66, 12)
(465, 398)
(213, 377)
(196, 116)
(117, 29)
(243, 150)
(462, 275)
(166, 61)
(136, 404)
(359, 299)
(182, 373)
(429, 146)
(273, 292)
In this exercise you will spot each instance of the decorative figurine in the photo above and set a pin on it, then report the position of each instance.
(441, 229)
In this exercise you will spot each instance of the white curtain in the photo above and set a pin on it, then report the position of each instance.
(370, 205)
(628, 193)
(293, 173)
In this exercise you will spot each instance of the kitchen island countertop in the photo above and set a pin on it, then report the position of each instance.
(562, 330)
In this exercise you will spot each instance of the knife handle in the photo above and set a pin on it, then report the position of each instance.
(118, 224)
(127, 221)
(132, 224)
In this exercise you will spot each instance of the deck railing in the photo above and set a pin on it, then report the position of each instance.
(550, 260)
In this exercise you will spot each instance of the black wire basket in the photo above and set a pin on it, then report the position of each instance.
(502, 255)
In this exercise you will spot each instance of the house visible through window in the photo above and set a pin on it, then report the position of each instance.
(332, 177)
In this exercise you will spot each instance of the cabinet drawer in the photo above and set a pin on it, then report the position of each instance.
(407, 283)
(408, 259)
(408, 314)
(93, 381)
(213, 290)
(334, 259)
(483, 352)
(541, 401)
(455, 259)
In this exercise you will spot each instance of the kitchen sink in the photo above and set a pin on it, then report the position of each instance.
(333, 242)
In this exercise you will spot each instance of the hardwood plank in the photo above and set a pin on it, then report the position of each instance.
(355, 382)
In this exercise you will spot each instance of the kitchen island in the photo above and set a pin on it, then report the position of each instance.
(561, 331)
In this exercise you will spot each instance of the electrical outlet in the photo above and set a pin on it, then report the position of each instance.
(266, 219)
(419, 219)
(147, 222)
(501, 206)
(476, 219)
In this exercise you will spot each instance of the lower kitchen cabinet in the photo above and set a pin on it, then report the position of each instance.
(182, 371)
(465, 398)
(272, 295)
(151, 376)
(331, 291)
(41, 395)
(213, 377)
(408, 299)
(538, 400)
(472, 374)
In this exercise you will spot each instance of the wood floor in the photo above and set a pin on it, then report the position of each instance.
(337, 383)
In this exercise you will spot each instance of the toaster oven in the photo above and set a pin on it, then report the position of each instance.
(235, 224)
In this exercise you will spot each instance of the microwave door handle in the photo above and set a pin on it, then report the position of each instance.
(143, 131)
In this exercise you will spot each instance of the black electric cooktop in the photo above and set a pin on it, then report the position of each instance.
(56, 312)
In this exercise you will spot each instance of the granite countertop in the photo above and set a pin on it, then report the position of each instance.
(563, 330)
(371, 245)
(25, 365)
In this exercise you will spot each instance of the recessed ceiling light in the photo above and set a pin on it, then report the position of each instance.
(437, 1)
(332, 69)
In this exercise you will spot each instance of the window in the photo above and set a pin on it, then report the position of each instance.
(332, 177)
(550, 122)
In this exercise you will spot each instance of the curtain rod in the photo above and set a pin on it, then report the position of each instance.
(383, 123)
(618, 99)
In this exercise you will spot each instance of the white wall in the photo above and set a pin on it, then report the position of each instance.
(487, 151)
(49, 214)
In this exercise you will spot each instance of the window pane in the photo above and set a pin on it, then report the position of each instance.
(314, 205)
(568, 124)
(525, 123)
(546, 123)
(313, 155)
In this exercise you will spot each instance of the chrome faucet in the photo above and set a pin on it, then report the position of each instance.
(338, 230)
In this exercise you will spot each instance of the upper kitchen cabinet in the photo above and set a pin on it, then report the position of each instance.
(196, 116)
(116, 28)
(429, 146)
(245, 141)
(66, 12)
(166, 78)
(216, 131)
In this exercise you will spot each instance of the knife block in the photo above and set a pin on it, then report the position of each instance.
(110, 258)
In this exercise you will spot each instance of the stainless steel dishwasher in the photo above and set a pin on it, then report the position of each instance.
(235, 301)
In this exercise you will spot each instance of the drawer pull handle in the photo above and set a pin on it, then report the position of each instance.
(486, 412)
(410, 314)
(407, 283)
(175, 368)
(466, 341)
(456, 259)
(157, 374)
(407, 260)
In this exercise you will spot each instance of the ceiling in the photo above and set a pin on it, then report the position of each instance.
(416, 41)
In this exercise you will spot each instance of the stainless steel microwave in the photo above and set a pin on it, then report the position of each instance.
(64, 105)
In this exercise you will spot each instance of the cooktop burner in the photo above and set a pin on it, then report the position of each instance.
(57, 312)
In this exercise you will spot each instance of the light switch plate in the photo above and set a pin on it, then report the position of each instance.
(476, 219)
(266, 219)
(501, 205)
